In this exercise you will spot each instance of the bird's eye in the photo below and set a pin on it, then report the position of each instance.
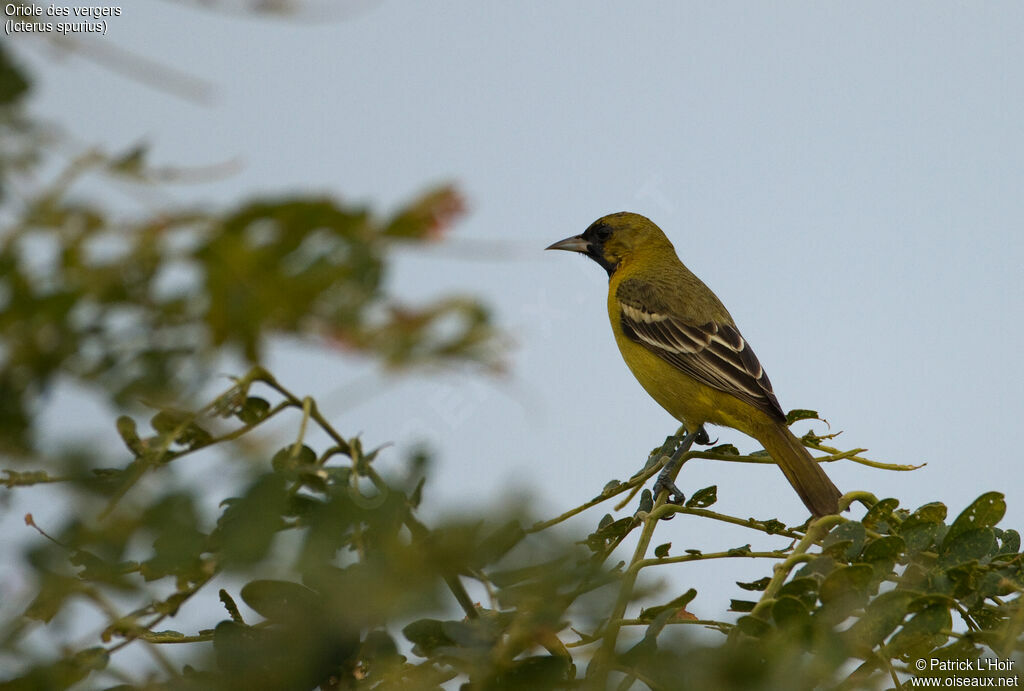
(602, 232)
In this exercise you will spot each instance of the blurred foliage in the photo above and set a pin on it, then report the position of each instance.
(356, 603)
(142, 307)
(326, 576)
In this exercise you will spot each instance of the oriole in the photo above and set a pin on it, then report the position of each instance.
(683, 347)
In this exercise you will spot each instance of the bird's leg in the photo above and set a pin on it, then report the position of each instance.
(665, 479)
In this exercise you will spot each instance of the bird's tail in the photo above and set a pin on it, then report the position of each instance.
(818, 493)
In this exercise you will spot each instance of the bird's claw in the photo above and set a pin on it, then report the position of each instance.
(665, 479)
(675, 495)
(702, 438)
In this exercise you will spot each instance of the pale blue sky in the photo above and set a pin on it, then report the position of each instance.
(848, 177)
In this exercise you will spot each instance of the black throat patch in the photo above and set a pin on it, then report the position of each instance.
(596, 235)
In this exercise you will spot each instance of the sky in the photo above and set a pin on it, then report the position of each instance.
(847, 177)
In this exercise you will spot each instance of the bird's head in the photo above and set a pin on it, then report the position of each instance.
(616, 239)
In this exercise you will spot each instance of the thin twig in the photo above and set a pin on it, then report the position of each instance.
(644, 563)
(863, 461)
(635, 482)
(605, 654)
(723, 626)
(755, 524)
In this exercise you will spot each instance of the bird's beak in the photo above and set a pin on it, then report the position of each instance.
(574, 244)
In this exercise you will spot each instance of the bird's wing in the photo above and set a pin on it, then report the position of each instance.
(713, 353)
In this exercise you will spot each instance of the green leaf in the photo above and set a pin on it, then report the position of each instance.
(673, 606)
(703, 497)
(882, 554)
(52, 595)
(92, 658)
(799, 414)
(230, 606)
(282, 600)
(661, 551)
(915, 577)
(741, 606)
(305, 456)
(474, 633)
(230, 640)
(838, 550)
(427, 635)
(889, 547)
(98, 569)
(791, 612)
(615, 529)
(843, 581)
(923, 601)
(984, 512)
(253, 410)
(923, 527)
(260, 657)
(179, 544)
(932, 512)
(967, 546)
(759, 584)
(725, 450)
(845, 541)
(880, 516)
(181, 427)
(646, 501)
(1010, 542)
(753, 626)
(822, 565)
(880, 618)
(127, 430)
(920, 634)
(249, 524)
(843, 591)
(990, 584)
(806, 589)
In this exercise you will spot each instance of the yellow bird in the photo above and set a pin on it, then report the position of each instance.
(683, 347)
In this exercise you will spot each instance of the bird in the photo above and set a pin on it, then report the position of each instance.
(683, 346)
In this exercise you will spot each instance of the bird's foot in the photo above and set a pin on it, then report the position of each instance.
(664, 483)
(666, 477)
